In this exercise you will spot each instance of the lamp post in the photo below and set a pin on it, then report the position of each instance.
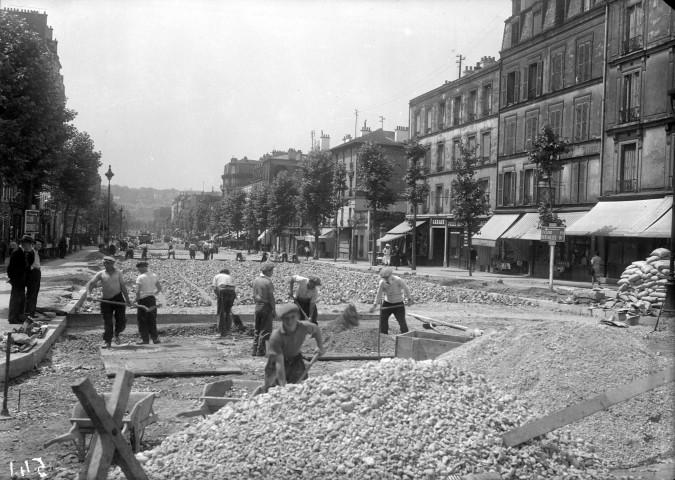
(121, 219)
(669, 304)
(109, 175)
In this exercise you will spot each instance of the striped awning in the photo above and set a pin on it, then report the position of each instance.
(493, 230)
(527, 228)
(628, 218)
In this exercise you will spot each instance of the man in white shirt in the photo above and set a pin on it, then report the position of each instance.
(307, 295)
(393, 288)
(223, 287)
(114, 290)
(147, 286)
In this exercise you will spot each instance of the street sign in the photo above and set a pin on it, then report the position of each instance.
(32, 225)
(552, 234)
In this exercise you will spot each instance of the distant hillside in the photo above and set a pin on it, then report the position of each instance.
(140, 203)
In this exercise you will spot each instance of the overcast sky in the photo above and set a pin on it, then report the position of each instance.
(171, 90)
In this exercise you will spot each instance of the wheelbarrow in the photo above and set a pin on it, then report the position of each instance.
(139, 414)
(215, 396)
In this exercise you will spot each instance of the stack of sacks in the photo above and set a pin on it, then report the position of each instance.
(645, 281)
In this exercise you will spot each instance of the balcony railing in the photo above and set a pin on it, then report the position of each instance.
(627, 115)
(627, 185)
(632, 44)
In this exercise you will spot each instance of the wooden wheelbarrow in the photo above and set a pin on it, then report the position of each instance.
(140, 415)
(215, 396)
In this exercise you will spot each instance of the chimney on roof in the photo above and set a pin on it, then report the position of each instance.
(401, 134)
(468, 70)
(325, 141)
(365, 130)
(346, 138)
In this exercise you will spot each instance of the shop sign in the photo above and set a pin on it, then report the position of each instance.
(32, 221)
(438, 222)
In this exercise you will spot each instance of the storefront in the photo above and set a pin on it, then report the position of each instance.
(488, 243)
(624, 231)
(400, 237)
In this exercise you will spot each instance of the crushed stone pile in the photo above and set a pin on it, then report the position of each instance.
(555, 364)
(643, 283)
(396, 419)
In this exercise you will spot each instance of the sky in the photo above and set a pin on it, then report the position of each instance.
(171, 90)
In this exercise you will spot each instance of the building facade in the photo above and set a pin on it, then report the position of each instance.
(237, 174)
(354, 220)
(272, 164)
(461, 112)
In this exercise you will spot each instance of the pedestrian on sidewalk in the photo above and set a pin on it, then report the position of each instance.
(193, 251)
(307, 295)
(223, 287)
(172, 252)
(113, 290)
(144, 251)
(392, 288)
(596, 269)
(473, 255)
(265, 308)
(18, 271)
(285, 364)
(147, 289)
(395, 257)
(33, 283)
(386, 255)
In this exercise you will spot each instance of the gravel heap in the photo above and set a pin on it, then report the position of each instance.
(186, 283)
(553, 365)
(395, 419)
(645, 281)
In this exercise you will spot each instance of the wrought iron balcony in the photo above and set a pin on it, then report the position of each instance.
(631, 45)
(627, 185)
(627, 115)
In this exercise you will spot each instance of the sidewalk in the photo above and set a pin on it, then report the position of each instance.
(72, 259)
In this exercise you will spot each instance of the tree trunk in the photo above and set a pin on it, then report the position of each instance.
(336, 240)
(469, 229)
(66, 211)
(413, 254)
(72, 231)
(316, 244)
(373, 238)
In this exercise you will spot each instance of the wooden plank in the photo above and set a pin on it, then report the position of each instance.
(586, 408)
(351, 356)
(430, 349)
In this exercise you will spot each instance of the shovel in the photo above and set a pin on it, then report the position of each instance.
(134, 305)
(475, 332)
(263, 388)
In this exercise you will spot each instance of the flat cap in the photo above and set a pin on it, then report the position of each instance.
(108, 258)
(27, 239)
(385, 272)
(287, 308)
(141, 264)
(266, 267)
(316, 280)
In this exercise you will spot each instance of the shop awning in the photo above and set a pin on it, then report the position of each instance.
(398, 231)
(325, 233)
(493, 229)
(266, 233)
(660, 228)
(527, 228)
(628, 218)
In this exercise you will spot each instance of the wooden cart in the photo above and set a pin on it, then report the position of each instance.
(139, 415)
(214, 396)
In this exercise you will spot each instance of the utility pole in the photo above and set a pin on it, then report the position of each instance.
(312, 134)
(382, 122)
(356, 122)
(459, 62)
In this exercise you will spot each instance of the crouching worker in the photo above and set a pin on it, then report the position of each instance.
(285, 364)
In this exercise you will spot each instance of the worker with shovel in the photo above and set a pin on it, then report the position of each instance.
(392, 287)
(113, 290)
(285, 364)
(307, 295)
(147, 287)
(265, 308)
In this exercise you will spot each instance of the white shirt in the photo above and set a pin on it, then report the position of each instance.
(36, 262)
(222, 280)
(146, 285)
(303, 292)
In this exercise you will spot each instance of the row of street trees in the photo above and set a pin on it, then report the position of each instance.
(40, 149)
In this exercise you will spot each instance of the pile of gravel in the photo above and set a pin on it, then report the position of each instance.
(394, 419)
(555, 364)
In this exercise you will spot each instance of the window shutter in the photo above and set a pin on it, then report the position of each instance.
(577, 115)
(500, 190)
(434, 118)
(503, 91)
(447, 198)
(526, 75)
(513, 188)
(516, 90)
(540, 76)
(584, 125)
(521, 183)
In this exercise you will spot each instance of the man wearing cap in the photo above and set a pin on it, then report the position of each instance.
(113, 290)
(393, 288)
(147, 287)
(18, 271)
(307, 294)
(285, 364)
(265, 308)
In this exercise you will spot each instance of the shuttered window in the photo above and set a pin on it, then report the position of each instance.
(583, 62)
(557, 68)
(510, 136)
(581, 114)
(531, 128)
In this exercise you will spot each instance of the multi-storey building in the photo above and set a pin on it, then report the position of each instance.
(552, 71)
(461, 112)
(354, 220)
(272, 164)
(237, 174)
(633, 216)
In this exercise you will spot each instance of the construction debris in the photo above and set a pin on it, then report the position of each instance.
(395, 419)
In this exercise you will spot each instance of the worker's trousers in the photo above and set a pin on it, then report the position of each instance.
(17, 302)
(107, 312)
(147, 321)
(294, 367)
(398, 309)
(225, 299)
(32, 291)
(264, 314)
(304, 304)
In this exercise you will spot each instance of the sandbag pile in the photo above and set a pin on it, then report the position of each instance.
(643, 283)
(397, 419)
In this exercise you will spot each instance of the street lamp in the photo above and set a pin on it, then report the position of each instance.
(121, 219)
(109, 174)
